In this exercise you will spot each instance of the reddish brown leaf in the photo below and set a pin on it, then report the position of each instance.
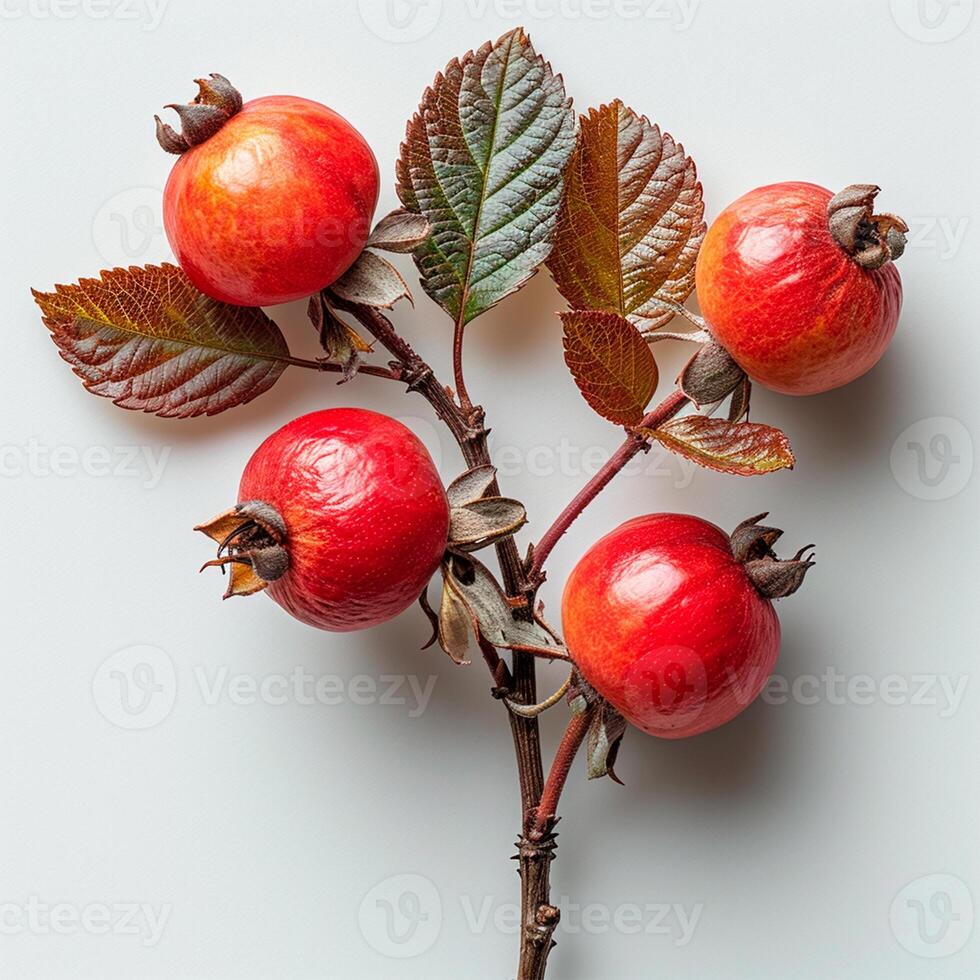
(742, 448)
(611, 364)
(147, 339)
(632, 220)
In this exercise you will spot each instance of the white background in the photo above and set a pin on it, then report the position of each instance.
(804, 836)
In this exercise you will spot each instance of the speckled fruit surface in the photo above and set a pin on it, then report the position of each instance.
(664, 623)
(274, 206)
(365, 512)
(796, 312)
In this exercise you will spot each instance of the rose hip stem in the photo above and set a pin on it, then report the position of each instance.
(632, 445)
(545, 817)
(466, 422)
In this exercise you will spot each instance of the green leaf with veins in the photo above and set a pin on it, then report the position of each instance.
(484, 160)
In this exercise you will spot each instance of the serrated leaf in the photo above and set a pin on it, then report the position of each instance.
(473, 583)
(150, 341)
(484, 522)
(742, 448)
(611, 364)
(471, 485)
(371, 281)
(399, 231)
(632, 220)
(483, 160)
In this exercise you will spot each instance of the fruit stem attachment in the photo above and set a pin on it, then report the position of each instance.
(545, 815)
(632, 445)
(871, 240)
(217, 100)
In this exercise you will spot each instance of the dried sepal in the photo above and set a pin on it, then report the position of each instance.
(710, 375)
(751, 540)
(484, 522)
(251, 539)
(777, 579)
(217, 100)
(371, 281)
(471, 485)
(431, 615)
(502, 622)
(400, 231)
(738, 408)
(216, 90)
(606, 731)
(871, 240)
(752, 545)
(341, 342)
(456, 621)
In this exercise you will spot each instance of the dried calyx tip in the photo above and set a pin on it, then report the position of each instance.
(872, 240)
(251, 541)
(216, 102)
(773, 578)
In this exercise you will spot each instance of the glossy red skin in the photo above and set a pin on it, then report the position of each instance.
(666, 626)
(788, 303)
(273, 207)
(366, 516)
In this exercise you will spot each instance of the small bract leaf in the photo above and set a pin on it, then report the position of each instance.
(710, 375)
(606, 732)
(483, 160)
(455, 623)
(632, 220)
(341, 342)
(472, 485)
(150, 341)
(742, 448)
(399, 231)
(611, 364)
(498, 622)
(741, 396)
(484, 522)
(371, 281)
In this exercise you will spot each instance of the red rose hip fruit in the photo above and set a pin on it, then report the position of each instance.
(270, 201)
(342, 519)
(671, 620)
(799, 285)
